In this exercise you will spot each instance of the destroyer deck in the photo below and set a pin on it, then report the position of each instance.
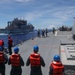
(48, 47)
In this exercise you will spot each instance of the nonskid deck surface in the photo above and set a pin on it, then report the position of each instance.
(48, 47)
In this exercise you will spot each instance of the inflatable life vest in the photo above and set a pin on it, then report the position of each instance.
(10, 41)
(57, 68)
(35, 59)
(1, 42)
(2, 57)
(15, 59)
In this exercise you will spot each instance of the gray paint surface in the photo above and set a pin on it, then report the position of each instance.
(48, 47)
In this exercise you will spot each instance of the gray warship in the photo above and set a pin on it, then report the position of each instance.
(17, 26)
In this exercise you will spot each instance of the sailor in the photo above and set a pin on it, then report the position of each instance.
(43, 33)
(10, 41)
(3, 61)
(16, 62)
(35, 61)
(38, 33)
(53, 30)
(2, 44)
(46, 32)
(56, 67)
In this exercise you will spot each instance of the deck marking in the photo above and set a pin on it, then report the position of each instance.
(56, 33)
(62, 50)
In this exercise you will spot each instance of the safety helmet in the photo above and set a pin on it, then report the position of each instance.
(0, 48)
(16, 49)
(36, 48)
(57, 58)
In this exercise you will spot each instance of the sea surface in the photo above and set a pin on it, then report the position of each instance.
(17, 38)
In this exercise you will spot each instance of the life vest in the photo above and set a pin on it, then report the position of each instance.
(35, 59)
(2, 57)
(1, 42)
(57, 68)
(15, 59)
(10, 41)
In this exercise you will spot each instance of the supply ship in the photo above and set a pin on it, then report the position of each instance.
(17, 26)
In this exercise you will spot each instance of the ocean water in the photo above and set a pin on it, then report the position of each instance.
(17, 38)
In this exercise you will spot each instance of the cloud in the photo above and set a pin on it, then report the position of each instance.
(53, 17)
(51, 26)
(3, 1)
(23, 0)
(49, 13)
(30, 16)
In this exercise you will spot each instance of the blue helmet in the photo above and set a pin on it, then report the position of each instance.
(16, 49)
(36, 48)
(57, 58)
(0, 48)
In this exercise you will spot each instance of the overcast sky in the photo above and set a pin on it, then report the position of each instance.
(41, 13)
